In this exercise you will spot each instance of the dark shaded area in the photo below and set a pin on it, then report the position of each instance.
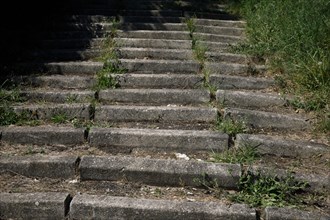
(21, 26)
(27, 24)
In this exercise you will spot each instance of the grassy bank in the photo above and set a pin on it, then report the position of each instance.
(294, 39)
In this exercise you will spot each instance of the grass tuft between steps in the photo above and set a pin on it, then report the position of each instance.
(107, 76)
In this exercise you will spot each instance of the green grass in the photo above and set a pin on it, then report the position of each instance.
(7, 115)
(60, 118)
(294, 36)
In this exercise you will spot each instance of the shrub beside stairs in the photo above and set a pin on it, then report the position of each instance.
(124, 106)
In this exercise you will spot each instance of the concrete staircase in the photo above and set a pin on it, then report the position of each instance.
(141, 149)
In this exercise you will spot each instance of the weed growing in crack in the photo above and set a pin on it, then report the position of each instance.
(60, 118)
(107, 77)
(231, 126)
(260, 190)
(209, 183)
(247, 154)
(191, 25)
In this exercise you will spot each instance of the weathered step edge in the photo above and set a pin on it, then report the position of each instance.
(40, 165)
(267, 120)
(281, 146)
(155, 96)
(155, 114)
(163, 172)
(105, 207)
(46, 205)
(124, 140)
(48, 135)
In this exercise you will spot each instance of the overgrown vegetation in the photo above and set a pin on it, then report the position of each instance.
(258, 188)
(294, 37)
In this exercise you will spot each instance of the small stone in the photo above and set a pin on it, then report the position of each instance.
(182, 156)
(73, 181)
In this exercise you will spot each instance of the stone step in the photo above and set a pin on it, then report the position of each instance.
(82, 26)
(220, 23)
(160, 81)
(218, 38)
(281, 146)
(48, 111)
(43, 135)
(64, 68)
(209, 15)
(69, 82)
(65, 54)
(267, 120)
(40, 166)
(150, 19)
(218, 30)
(153, 26)
(126, 80)
(78, 44)
(179, 27)
(104, 11)
(228, 82)
(155, 96)
(105, 207)
(216, 46)
(145, 30)
(159, 13)
(290, 213)
(175, 35)
(57, 96)
(226, 57)
(160, 66)
(155, 53)
(84, 18)
(46, 205)
(135, 12)
(234, 68)
(138, 53)
(125, 140)
(249, 99)
(62, 35)
(153, 43)
(161, 172)
(159, 114)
